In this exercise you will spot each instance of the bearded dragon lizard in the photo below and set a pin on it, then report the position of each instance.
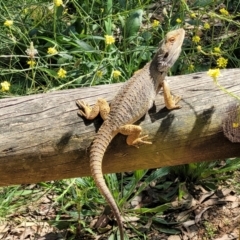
(132, 102)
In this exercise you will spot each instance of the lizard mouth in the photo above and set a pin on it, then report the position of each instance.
(173, 56)
(168, 59)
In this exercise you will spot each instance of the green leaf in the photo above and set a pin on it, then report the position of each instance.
(122, 20)
(49, 72)
(26, 192)
(130, 188)
(108, 27)
(203, 3)
(109, 6)
(83, 45)
(158, 209)
(111, 237)
(231, 165)
(50, 40)
(133, 23)
(162, 221)
(93, 37)
(79, 25)
(210, 185)
(182, 191)
(113, 184)
(139, 174)
(108, 22)
(164, 185)
(62, 60)
(161, 172)
(33, 32)
(147, 36)
(65, 56)
(168, 230)
(169, 194)
(122, 3)
(59, 11)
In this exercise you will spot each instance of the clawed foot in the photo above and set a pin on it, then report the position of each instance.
(90, 113)
(170, 100)
(140, 141)
(175, 100)
(80, 103)
(86, 108)
(87, 112)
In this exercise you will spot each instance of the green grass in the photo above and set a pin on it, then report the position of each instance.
(76, 201)
(76, 30)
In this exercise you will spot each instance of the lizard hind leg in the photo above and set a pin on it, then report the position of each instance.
(133, 135)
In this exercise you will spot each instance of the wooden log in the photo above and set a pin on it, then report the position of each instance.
(42, 137)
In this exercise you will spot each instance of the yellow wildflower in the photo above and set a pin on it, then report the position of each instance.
(222, 62)
(109, 39)
(199, 48)
(8, 23)
(5, 86)
(102, 10)
(155, 23)
(217, 50)
(31, 63)
(61, 73)
(235, 124)
(99, 73)
(223, 11)
(178, 20)
(52, 50)
(116, 73)
(193, 15)
(196, 39)
(214, 73)
(206, 26)
(58, 3)
(191, 67)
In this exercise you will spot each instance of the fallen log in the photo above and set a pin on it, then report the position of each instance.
(42, 138)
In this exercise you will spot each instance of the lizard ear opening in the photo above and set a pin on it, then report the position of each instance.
(165, 55)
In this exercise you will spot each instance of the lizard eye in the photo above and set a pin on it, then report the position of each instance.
(172, 39)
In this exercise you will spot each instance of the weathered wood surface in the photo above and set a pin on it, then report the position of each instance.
(42, 137)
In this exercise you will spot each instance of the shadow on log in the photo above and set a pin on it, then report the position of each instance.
(42, 137)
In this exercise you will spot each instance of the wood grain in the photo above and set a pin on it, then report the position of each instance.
(42, 137)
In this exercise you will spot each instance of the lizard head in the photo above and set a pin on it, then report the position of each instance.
(170, 49)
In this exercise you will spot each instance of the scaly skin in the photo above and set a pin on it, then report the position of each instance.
(133, 100)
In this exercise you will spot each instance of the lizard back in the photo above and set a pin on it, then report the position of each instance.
(134, 98)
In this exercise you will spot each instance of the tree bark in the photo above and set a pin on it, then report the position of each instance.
(42, 138)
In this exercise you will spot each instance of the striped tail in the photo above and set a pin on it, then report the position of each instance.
(100, 144)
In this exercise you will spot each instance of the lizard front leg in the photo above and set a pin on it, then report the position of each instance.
(90, 113)
(170, 100)
(133, 135)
